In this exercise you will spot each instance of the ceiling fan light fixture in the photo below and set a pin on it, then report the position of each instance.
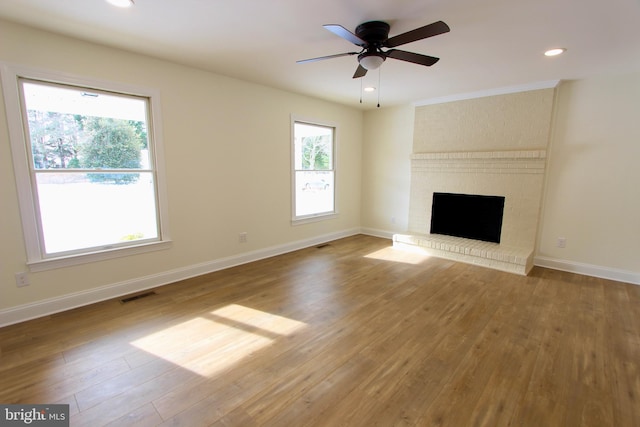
(371, 61)
(121, 3)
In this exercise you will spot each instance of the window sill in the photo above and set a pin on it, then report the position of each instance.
(67, 261)
(313, 218)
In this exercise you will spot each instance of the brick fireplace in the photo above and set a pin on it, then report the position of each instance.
(485, 145)
(516, 175)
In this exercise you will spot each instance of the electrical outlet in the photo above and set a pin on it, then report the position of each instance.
(22, 279)
(562, 242)
(242, 237)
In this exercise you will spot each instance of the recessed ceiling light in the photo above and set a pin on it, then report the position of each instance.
(555, 52)
(121, 3)
(369, 89)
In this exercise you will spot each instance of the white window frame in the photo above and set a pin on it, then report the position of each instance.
(303, 219)
(36, 259)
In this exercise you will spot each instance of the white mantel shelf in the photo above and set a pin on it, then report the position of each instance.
(487, 254)
(495, 162)
(510, 154)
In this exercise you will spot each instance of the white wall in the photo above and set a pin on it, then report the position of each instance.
(227, 147)
(593, 181)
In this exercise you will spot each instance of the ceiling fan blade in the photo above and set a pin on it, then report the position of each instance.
(340, 31)
(418, 34)
(322, 58)
(416, 58)
(360, 72)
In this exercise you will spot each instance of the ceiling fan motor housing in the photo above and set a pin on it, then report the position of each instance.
(374, 33)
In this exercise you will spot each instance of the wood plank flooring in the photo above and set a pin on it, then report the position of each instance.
(351, 334)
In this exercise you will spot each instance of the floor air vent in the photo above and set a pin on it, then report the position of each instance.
(135, 297)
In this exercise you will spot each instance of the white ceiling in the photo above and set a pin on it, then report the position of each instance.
(493, 44)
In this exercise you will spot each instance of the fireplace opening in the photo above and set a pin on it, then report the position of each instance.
(467, 215)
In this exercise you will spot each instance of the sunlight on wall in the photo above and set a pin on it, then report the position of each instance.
(407, 256)
(216, 340)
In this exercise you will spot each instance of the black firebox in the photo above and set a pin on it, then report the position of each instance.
(467, 215)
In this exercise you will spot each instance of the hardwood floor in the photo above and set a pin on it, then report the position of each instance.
(351, 334)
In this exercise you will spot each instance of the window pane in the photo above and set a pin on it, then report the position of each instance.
(80, 210)
(313, 147)
(79, 129)
(314, 192)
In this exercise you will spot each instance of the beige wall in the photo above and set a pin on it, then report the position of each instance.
(386, 169)
(227, 147)
(593, 181)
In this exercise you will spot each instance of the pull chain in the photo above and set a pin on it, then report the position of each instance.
(361, 90)
(379, 86)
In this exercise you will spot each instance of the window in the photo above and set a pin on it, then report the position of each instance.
(313, 170)
(86, 162)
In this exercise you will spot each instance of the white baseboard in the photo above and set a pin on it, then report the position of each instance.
(588, 269)
(385, 234)
(67, 302)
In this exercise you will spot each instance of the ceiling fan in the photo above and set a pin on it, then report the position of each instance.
(374, 35)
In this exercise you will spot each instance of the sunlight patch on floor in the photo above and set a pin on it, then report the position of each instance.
(216, 340)
(407, 256)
